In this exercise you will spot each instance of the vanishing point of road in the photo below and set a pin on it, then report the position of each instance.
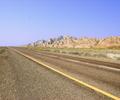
(31, 75)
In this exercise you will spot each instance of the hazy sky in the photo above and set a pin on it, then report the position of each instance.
(24, 21)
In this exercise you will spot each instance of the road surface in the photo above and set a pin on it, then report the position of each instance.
(23, 79)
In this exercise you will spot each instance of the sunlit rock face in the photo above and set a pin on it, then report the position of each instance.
(86, 42)
(72, 42)
(65, 42)
(109, 42)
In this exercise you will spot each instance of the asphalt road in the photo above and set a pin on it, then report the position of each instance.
(23, 79)
(105, 77)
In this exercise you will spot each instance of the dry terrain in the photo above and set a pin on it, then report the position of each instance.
(105, 48)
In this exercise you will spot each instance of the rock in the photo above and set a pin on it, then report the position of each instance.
(109, 42)
(72, 42)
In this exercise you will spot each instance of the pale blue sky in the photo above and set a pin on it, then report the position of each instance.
(24, 21)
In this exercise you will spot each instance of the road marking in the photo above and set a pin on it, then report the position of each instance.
(76, 61)
(100, 66)
(70, 77)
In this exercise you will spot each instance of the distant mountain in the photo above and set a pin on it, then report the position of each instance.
(72, 42)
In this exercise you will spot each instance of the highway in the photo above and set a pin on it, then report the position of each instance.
(22, 77)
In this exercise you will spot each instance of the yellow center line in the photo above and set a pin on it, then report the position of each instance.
(70, 77)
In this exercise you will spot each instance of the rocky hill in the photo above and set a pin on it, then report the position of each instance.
(72, 42)
(109, 42)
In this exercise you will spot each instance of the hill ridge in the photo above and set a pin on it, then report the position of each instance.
(81, 42)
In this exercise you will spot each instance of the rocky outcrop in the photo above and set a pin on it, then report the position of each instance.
(109, 42)
(86, 42)
(72, 42)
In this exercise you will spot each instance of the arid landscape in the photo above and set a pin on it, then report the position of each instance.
(72, 42)
(103, 49)
(59, 49)
(60, 69)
